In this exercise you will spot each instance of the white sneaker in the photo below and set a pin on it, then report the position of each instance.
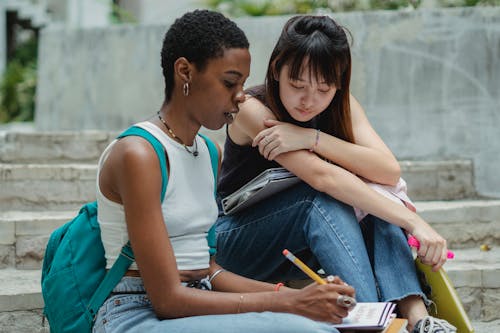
(430, 324)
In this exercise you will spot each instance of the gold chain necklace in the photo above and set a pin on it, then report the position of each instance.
(192, 152)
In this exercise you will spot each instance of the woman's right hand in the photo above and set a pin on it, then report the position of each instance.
(319, 302)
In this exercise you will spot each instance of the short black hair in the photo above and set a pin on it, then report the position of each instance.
(198, 36)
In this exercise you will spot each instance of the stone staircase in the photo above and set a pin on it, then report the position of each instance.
(45, 177)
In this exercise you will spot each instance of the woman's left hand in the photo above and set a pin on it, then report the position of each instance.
(281, 137)
(433, 248)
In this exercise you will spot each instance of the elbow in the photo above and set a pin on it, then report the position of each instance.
(394, 174)
(389, 174)
(171, 307)
(165, 311)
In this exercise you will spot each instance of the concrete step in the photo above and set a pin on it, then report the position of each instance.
(428, 180)
(53, 147)
(24, 236)
(475, 274)
(476, 277)
(21, 303)
(64, 185)
(464, 223)
(439, 180)
(46, 186)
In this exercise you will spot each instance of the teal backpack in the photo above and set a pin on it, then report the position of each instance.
(74, 279)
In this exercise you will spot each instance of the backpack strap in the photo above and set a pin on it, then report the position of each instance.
(158, 147)
(126, 257)
(111, 279)
(214, 158)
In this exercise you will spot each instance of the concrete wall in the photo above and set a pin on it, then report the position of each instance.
(159, 11)
(429, 80)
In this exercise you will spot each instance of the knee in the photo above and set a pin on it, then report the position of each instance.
(333, 207)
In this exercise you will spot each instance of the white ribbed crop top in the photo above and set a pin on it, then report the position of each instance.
(189, 207)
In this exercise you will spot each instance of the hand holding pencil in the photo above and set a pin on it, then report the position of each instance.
(342, 300)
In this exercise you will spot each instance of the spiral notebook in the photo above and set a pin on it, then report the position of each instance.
(264, 185)
(368, 317)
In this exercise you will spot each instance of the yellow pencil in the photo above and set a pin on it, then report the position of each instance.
(342, 300)
(303, 267)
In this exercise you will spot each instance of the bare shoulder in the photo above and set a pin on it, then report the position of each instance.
(134, 150)
(356, 107)
(131, 163)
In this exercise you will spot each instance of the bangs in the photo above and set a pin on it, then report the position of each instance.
(325, 63)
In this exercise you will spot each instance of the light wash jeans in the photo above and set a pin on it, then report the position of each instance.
(129, 310)
(372, 256)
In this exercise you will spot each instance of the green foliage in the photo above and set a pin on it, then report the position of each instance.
(468, 3)
(283, 7)
(18, 84)
(120, 15)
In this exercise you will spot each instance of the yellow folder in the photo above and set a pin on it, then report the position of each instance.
(447, 303)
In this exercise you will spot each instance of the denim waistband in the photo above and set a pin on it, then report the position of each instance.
(134, 285)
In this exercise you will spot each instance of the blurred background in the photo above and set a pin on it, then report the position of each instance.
(427, 72)
(22, 20)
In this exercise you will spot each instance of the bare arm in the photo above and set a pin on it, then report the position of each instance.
(367, 157)
(132, 172)
(343, 185)
(230, 282)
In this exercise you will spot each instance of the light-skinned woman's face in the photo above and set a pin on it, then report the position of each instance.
(306, 97)
(218, 89)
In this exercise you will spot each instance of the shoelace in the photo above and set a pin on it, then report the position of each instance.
(434, 325)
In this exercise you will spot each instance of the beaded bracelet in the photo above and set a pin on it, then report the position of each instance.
(316, 141)
(278, 286)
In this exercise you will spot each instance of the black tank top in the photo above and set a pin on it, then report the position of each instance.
(241, 163)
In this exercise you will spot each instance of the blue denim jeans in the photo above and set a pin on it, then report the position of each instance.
(129, 310)
(372, 256)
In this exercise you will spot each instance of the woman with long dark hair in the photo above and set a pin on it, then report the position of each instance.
(305, 119)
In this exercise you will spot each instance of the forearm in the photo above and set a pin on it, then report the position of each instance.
(350, 189)
(223, 280)
(230, 282)
(194, 302)
(345, 186)
(370, 163)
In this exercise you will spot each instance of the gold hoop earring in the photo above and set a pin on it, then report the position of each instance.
(185, 89)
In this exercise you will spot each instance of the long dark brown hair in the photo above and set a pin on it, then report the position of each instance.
(324, 45)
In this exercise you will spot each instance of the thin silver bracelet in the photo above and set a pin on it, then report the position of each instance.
(316, 141)
(217, 272)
